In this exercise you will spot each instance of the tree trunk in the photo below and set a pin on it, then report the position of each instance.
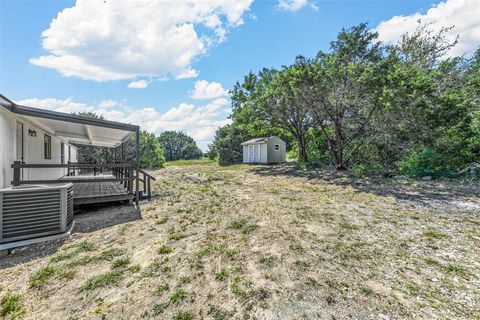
(339, 161)
(302, 149)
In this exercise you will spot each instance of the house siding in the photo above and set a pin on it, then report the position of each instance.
(33, 150)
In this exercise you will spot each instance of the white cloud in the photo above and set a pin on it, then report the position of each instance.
(123, 39)
(464, 15)
(295, 5)
(199, 121)
(140, 84)
(208, 90)
(107, 103)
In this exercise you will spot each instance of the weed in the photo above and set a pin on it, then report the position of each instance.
(120, 263)
(238, 224)
(221, 275)
(454, 269)
(152, 269)
(330, 298)
(249, 228)
(178, 295)
(43, 275)
(267, 261)
(413, 289)
(12, 306)
(164, 249)
(348, 226)
(302, 265)
(433, 234)
(367, 291)
(159, 308)
(177, 236)
(185, 279)
(311, 281)
(218, 313)
(432, 262)
(85, 246)
(160, 289)
(296, 247)
(109, 278)
(110, 254)
(231, 253)
(183, 315)
(161, 220)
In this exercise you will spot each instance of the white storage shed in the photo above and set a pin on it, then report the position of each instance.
(264, 150)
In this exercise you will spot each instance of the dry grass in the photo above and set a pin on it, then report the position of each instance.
(247, 242)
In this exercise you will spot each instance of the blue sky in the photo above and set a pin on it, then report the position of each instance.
(185, 61)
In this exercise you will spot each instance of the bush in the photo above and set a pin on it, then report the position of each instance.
(427, 162)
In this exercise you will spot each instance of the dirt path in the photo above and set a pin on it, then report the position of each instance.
(247, 242)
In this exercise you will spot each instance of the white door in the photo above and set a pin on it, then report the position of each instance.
(253, 153)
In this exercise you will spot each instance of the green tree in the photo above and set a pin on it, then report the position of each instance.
(151, 153)
(343, 90)
(178, 145)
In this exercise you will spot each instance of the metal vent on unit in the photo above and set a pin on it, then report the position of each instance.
(35, 211)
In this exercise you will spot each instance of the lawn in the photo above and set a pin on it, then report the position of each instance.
(261, 242)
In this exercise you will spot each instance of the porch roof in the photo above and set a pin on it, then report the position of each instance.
(74, 128)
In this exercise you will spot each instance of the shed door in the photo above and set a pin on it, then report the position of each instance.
(253, 153)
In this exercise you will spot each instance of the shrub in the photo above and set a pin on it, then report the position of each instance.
(427, 162)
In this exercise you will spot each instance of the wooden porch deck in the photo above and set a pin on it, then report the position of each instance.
(99, 191)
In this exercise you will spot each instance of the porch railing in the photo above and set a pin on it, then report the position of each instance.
(124, 173)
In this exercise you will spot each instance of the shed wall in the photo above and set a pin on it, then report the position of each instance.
(276, 156)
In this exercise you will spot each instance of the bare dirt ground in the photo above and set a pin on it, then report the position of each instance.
(263, 242)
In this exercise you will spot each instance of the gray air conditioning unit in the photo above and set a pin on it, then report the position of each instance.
(31, 214)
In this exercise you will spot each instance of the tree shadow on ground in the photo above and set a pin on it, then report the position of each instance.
(90, 219)
(443, 192)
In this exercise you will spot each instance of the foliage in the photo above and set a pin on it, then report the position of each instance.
(178, 145)
(428, 162)
(151, 153)
(365, 106)
(12, 306)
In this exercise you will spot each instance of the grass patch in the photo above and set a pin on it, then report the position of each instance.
(161, 220)
(267, 261)
(177, 236)
(238, 224)
(120, 263)
(12, 306)
(164, 249)
(367, 291)
(42, 276)
(161, 289)
(221, 275)
(243, 225)
(110, 254)
(183, 315)
(83, 246)
(159, 308)
(433, 234)
(178, 296)
(109, 278)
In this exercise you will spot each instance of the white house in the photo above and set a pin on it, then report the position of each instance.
(26, 139)
(264, 150)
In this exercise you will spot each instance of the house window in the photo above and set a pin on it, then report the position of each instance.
(47, 146)
(62, 153)
(277, 147)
